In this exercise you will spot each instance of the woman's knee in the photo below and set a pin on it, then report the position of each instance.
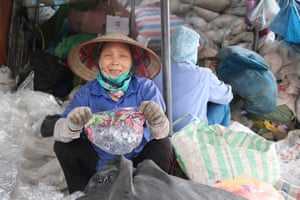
(162, 145)
(63, 150)
(59, 147)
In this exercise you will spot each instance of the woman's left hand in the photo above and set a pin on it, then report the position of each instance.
(153, 112)
(156, 119)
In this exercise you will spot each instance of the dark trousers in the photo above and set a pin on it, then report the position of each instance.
(78, 159)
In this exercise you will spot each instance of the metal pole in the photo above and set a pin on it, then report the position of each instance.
(132, 18)
(165, 57)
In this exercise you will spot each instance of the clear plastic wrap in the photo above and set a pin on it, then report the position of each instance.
(116, 131)
(7, 177)
(28, 167)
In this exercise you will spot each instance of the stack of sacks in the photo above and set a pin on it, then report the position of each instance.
(221, 20)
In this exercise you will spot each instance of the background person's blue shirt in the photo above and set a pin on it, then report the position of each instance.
(192, 88)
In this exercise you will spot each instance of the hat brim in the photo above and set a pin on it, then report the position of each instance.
(207, 52)
(82, 59)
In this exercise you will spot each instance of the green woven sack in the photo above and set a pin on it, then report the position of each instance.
(208, 153)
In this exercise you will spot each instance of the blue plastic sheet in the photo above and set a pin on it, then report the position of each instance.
(287, 21)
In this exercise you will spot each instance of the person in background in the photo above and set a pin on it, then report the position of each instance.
(196, 90)
(116, 86)
(206, 58)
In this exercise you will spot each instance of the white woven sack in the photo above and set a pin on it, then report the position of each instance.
(208, 153)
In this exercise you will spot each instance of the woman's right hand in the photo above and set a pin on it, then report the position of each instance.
(77, 118)
(70, 128)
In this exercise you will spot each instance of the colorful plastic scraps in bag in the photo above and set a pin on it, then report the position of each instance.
(250, 188)
(116, 131)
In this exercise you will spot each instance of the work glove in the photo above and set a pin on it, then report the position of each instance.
(76, 120)
(156, 119)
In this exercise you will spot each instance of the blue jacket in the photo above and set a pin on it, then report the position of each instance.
(95, 96)
(192, 88)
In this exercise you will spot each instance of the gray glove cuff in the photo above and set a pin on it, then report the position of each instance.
(161, 130)
(72, 127)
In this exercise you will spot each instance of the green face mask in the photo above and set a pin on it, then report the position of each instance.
(117, 80)
(120, 83)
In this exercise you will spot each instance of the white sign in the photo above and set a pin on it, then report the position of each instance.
(117, 24)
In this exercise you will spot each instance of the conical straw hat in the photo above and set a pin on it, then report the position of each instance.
(83, 58)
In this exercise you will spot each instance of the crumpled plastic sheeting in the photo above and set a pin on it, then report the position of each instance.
(289, 156)
(40, 164)
(42, 192)
(7, 178)
(21, 115)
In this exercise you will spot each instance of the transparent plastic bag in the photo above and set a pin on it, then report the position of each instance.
(263, 14)
(116, 131)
